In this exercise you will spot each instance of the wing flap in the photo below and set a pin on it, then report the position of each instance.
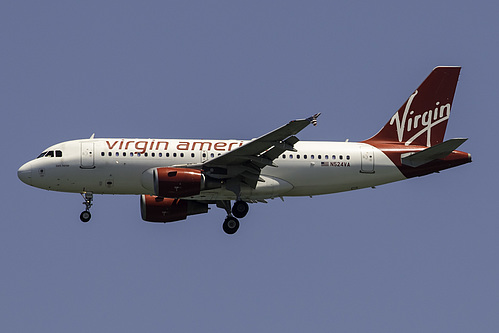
(280, 148)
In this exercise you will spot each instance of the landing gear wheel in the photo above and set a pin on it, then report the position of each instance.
(240, 209)
(230, 226)
(85, 216)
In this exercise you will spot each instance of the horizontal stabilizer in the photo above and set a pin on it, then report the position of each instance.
(436, 152)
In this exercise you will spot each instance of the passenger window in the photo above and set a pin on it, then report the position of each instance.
(319, 157)
(326, 157)
(153, 154)
(160, 154)
(333, 157)
(145, 154)
(102, 154)
(117, 154)
(297, 157)
(341, 157)
(305, 157)
(110, 154)
(348, 157)
(312, 156)
(192, 155)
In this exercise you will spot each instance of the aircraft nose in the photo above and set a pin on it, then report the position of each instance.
(24, 174)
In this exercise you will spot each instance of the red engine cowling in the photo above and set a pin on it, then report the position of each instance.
(158, 209)
(177, 182)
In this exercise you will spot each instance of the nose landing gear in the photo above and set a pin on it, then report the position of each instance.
(85, 215)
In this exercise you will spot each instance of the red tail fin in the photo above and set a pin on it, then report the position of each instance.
(422, 119)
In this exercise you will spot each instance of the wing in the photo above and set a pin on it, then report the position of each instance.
(244, 164)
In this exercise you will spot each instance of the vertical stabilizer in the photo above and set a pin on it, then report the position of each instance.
(422, 119)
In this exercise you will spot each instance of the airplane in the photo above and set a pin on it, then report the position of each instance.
(176, 178)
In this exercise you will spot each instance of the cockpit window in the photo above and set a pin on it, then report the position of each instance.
(57, 153)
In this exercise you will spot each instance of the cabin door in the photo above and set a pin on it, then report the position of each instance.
(87, 155)
(367, 159)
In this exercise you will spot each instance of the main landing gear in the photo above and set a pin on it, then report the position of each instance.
(239, 210)
(85, 215)
(230, 225)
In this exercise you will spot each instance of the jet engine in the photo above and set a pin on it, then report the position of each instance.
(159, 209)
(179, 182)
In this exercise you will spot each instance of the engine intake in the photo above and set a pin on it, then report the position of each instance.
(159, 209)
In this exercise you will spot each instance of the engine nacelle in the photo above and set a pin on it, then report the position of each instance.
(177, 182)
(159, 209)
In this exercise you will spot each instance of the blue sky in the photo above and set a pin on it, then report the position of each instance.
(413, 256)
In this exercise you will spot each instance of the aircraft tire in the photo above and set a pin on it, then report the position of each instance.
(230, 225)
(240, 209)
(85, 216)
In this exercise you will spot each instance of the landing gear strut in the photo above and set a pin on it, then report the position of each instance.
(85, 215)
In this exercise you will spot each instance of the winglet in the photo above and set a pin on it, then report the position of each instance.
(313, 119)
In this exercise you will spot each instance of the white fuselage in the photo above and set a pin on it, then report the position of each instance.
(177, 178)
(122, 166)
